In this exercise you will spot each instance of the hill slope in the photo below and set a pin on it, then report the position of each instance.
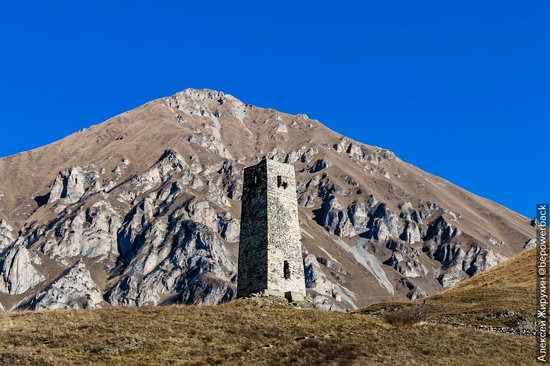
(503, 298)
(144, 209)
(241, 334)
(265, 331)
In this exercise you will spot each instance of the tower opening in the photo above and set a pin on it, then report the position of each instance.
(281, 182)
(286, 270)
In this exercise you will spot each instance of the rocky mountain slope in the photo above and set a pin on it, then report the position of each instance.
(144, 209)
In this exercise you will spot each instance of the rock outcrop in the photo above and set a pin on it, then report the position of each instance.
(440, 231)
(73, 183)
(334, 218)
(6, 234)
(17, 272)
(409, 268)
(155, 270)
(90, 232)
(414, 292)
(73, 289)
(531, 243)
(319, 165)
(324, 294)
(361, 212)
(458, 263)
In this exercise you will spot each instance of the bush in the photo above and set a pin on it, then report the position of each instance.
(408, 316)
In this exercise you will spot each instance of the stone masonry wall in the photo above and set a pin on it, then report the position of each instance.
(283, 230)
(252, 270)
(270, 233)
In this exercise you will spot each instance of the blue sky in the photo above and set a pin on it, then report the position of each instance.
(459, 89)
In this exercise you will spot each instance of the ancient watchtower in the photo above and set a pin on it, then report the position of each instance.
(270, 252)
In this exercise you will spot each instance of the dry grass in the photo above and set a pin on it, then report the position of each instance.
(242, 334)
(501, 297)
(407, 317)
(248, 333)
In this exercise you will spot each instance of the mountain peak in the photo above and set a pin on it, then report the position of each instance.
(152, 195)
(205, 95)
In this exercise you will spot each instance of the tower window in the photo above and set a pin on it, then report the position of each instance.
(281, 182)
(286, 270)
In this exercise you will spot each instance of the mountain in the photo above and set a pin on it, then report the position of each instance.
(267, 331)
(144, 209)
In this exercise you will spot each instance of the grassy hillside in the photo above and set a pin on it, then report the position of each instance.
(240, 333)
(247, 332)
(502, 297)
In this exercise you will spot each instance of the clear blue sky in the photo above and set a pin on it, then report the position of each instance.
(460, 89)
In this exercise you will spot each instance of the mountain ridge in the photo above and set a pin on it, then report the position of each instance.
(129, 188)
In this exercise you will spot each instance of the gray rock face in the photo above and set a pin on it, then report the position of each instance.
(221, 222)
(379, 222)
(459, 264)
(160, 235)
(353, 150)
(323, 293)
(360, 213)
(322, 186)
(414, 292)
(378, 230)
(170, 164)
(74, 289)
(408, 213)
(361, 153)
(1, 307)
(405, 260)
(479, 259)
(92, 232)
(307, 201)
(209, 104)
(440, 231)
(531, 243)
(417, 293)
(383, 224)
(384, 215)
(211, 143)
(408, 267)
(72, 183)
(411, 232)
(228, 227)
(452, 276)
(6, 234)
(155, 269)
(230, 180)
(304, 154)
(17, 272)
(319, 165)
(335, 219)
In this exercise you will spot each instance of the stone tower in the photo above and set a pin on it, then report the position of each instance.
(270, 252)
